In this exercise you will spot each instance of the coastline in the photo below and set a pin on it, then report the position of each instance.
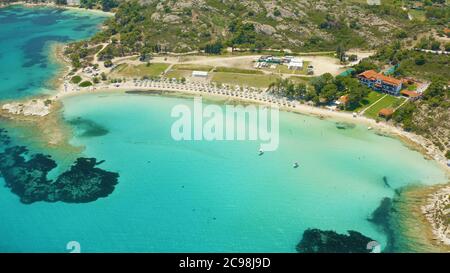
(56, 134)
(411, 140)
(53, 5)
(413, 219)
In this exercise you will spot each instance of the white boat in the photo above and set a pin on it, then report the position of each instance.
(261, 152)
(295, 165)
(369, 128)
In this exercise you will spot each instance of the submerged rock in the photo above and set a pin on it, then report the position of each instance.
(4, 138)
(381, 217)
(324, 241)
(84, 182)
(88, 127)
(345, 125)
(27, 179)
(26, 176)
(386, 182)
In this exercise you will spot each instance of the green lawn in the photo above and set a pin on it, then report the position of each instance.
(371, 98)
(300, 79)
(237, 70)
(178, 74)
(197, 67)
(126, 70)
(417, 14)
(386, 102)
(260, 81)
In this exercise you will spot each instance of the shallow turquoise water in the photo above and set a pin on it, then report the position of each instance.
(191, 196)
(214, 196)
(25, 37)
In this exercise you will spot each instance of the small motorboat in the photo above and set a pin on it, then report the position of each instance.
(369, 128)
(261, 152)
(295, 165)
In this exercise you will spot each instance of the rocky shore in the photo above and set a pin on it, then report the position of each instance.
(35, 107)
(418, 217)
(437, 212)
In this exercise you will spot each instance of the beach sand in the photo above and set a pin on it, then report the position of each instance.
(56, 134)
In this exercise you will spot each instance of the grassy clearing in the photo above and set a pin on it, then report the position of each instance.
(154, 69)
(417, 14)
(197, 67)
(371, 98)
(178, 74)
(237, 70)
(300, 79)
(260, 81)
(386, 102)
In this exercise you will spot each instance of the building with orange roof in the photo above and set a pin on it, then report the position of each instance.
(447, 31)
(380, 82)
(386, 113)
(411, 94)
(343, 99)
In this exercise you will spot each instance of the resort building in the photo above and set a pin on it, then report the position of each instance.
(343, 100)
(73, 2)
(270, 59)
(295, 64)
(374, 2)
(202, 74)
(380, 82)
(412, 95)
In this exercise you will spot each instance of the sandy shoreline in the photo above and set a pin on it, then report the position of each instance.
(57, 134)
(412, 140)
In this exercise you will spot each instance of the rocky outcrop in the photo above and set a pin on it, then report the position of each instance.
(84, 182)
(321, 241)
(381, 217)
(173, 19)
(265, 29)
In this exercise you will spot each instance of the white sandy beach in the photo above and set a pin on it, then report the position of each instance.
(39, 107)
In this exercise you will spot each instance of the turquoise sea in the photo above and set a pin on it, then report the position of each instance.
(220, 196)
(26, 35)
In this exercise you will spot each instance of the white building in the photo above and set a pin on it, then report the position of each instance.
(295, 64)
(203, 74)
(73, 2)
(374, 2)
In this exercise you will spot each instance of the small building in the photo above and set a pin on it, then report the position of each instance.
(295, 64)
(343, 100)
(347, 72)
(374, 2)
(380, 82)
(417, 5)
(73, 2)
(287, 59)
(270, 59)
(447, 31)
(386, 113)
(412, 95)
(202, 74)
